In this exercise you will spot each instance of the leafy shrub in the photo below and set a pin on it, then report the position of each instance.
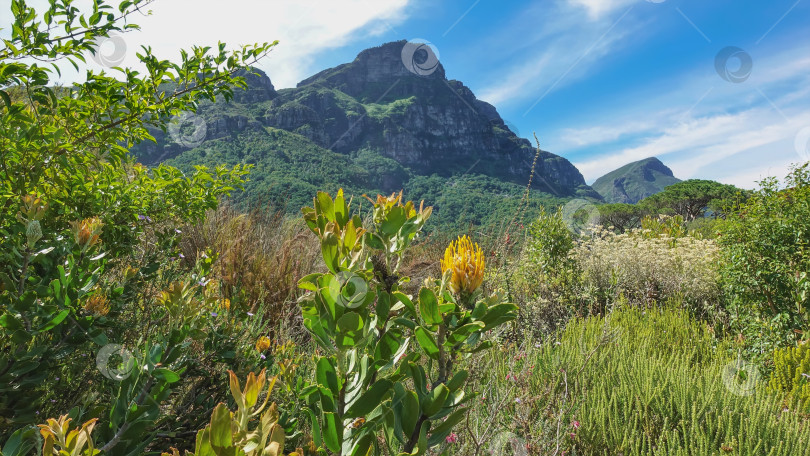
(229, 433)
(87, 236)
(766, 273)
(791, 372)
(647, 268)
(544, 278)
(368, 381)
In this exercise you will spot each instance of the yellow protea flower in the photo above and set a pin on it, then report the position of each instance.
(98, 304)
(263, 344)
(466, 261)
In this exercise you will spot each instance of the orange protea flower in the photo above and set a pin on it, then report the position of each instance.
(263, 344)
(384, 204)
(86, 232)
(466, 261)
(98, 304)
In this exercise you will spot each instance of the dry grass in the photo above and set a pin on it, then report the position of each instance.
(261, 257)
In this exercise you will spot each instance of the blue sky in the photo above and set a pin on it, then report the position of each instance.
(601, 82)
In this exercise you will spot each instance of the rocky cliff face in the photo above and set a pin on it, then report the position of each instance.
(396, 101)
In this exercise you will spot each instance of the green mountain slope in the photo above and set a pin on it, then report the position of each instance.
(635, 181)
(371, 126)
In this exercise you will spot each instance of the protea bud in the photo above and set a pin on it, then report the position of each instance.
(33, 233)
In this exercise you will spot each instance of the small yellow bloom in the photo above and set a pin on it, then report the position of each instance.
(263, 344)
(98, 304)
(86, 232)
(466, 261)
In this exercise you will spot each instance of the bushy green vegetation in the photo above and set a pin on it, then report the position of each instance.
(133, 300)
(633, 382)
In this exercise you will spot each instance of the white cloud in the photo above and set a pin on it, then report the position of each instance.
(599, 8)
(305, 28)
(735, 133)
(557, 48)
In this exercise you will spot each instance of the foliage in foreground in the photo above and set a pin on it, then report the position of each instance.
(635, 383)
(373, 388)
(766, 267)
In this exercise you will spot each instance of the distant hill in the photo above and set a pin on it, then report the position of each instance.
(635, 181)
(372, 125)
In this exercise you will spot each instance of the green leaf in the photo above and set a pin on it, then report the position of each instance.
(410, 412)
(440, 432)
(167, 375)
(374, 241)
(498, 314)
(59, 318)
(330, 432)
(327, 376)
(370, 399)
(221, 438)
(429, 307)
(363, 445)
(427, 342)
(330, 249)
(406, 301)
(458, 380)
(459, 335)
(309, 282)
(325, 205)
(435, 401)
(10, 322)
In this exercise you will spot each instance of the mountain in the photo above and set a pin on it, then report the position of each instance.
(635, 181)
(388, 120)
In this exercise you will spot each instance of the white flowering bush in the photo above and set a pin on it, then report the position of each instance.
(646, 269)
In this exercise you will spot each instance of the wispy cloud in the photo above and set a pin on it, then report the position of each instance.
(599, 8)
(719, 139)
(561, 42)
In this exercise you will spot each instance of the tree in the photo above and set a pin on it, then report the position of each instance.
(621, 216)
(691, 198)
